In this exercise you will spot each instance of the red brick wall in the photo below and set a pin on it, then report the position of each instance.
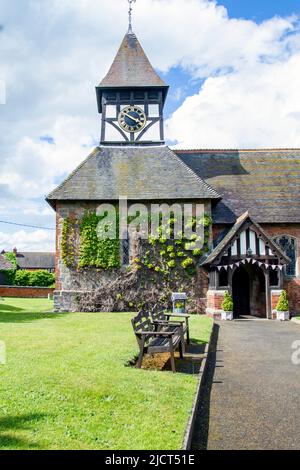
(214, 303)
(25, 292)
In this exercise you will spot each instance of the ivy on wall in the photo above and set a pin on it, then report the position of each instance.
(68, 241)
(165, 251)
(169, 251)
(96, 250)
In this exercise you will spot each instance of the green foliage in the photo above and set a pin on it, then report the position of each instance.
(42, 278)
(95, 251)
(283, 303)
(22, 278)
(9, 274)
(38, 278)
(68, 240)
(181, 252)
(12, 258)
(227, 304)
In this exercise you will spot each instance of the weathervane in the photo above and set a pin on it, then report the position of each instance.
(130, 15)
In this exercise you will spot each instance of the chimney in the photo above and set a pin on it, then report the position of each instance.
(15, 251)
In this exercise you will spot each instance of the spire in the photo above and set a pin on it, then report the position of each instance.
(130, 15)
(131, 67)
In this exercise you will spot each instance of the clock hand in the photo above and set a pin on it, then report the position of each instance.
(131, 117)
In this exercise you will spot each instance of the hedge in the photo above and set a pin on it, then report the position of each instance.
(38, 278)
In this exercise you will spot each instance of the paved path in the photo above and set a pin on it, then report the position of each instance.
(252, 400)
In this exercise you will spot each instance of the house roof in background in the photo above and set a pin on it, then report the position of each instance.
(139, 173)
(35, 260)
(266, 182)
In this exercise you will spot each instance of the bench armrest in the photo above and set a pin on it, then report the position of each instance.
(167, 322)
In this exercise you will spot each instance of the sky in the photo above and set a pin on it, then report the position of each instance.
(233, 68)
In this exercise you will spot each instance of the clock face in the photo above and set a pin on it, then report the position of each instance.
(132, 119)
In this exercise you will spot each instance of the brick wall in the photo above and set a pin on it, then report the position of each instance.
(25, 292)
(214, 303)
(292, 286)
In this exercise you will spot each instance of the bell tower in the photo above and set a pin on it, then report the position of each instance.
(131, 97)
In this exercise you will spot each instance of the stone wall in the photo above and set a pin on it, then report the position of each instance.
(72, 284)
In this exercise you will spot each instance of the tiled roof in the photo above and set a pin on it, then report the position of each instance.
(35, 260)
(139, 173)
(131, 67)
(265, 182)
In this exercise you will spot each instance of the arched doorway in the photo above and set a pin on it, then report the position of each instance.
(241, 292)
(249, 291)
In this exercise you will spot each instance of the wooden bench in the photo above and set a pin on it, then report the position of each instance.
(152, 341)
(164, 321)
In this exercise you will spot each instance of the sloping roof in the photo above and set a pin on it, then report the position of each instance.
(139, 173)
(224, 244)
(131, 67)
(265, 182)
(35, 260)
(5, 264)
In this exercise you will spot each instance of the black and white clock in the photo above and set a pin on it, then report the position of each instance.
(132, 119)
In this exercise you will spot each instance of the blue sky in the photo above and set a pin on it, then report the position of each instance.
(260, 10)
(220, 65)
(256, 10)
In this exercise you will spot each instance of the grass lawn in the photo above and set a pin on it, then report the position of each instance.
(65, 384)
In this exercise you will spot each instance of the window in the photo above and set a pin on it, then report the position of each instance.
(289, 247)
(126, 250)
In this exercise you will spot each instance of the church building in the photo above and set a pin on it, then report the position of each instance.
(251, 196)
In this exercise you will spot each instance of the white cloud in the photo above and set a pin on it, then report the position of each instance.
(54, 52)
(38, 240)
(254, 107)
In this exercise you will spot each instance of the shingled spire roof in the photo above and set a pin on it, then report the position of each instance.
(131, 67)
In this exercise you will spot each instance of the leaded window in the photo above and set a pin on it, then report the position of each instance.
(126, 250)
(289, 247)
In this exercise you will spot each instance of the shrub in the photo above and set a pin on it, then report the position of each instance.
(283, 303)
(9, 274)
(227, 304)
(22, 278)
(41, 279)
(34, 278)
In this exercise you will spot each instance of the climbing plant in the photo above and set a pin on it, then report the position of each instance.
(97, 250)
(169, 251)
(68, 242)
